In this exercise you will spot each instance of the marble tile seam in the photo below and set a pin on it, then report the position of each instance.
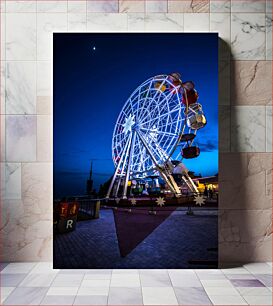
(26, 162)
(145, 13)
(50, 60)
(29, 114)
(244, 209)
(242, 153)
(123, 12)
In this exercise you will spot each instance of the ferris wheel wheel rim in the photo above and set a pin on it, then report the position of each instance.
(126, 106)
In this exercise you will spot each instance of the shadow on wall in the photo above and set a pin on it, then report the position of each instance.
(244, 195)
(231, 170)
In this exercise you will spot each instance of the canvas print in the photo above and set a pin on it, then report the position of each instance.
(135, 150)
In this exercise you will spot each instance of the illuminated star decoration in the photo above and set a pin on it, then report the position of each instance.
(133, 201)
(160, 201)
(153, 132)
(199, 200)
(129, 122)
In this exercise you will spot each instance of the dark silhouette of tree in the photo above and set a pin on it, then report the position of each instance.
(104, 188)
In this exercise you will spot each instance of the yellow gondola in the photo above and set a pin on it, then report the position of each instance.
(160, 87)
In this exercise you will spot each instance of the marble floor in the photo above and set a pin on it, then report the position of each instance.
(39, 284)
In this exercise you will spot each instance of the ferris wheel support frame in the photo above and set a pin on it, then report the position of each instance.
(166, 177)
(190, 183)
(117, 188)
(118, 166)
(132, 145)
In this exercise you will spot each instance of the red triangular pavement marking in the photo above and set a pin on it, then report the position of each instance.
(133, 227)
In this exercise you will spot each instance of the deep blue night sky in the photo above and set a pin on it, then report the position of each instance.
(91, 86)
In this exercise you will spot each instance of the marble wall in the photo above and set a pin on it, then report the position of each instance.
(245, 111)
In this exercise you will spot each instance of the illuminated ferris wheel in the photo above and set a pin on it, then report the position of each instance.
(159, 117)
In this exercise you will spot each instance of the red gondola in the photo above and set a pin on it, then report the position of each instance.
(175, 77)
(175, 80)
(192, 96)
(190, 152)
(188, 85)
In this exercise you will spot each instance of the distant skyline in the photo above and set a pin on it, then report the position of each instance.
(94, 74)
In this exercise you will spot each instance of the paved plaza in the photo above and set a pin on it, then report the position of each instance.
(179, 241)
